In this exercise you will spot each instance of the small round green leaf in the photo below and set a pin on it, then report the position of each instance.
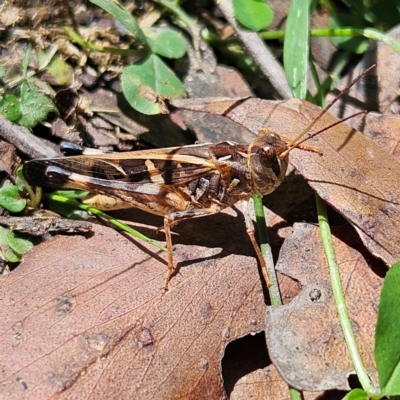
(59, 73)
(387, 334)
(9, 107)
(34, 106)
(166, 42)
(253, 14)
(9, 255)
(12, 247)
(148, 82)
(356, 394)
(18, 245)
(11, 200)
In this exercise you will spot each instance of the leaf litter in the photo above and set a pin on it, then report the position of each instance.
(88, 321)
(84, 316)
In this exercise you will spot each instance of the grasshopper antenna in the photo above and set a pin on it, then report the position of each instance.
(297, 140)
(325, 129)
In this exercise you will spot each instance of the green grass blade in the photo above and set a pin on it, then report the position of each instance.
(338, 296)
(296, 47)
(114, 221)
(124, 17)
(387, 335)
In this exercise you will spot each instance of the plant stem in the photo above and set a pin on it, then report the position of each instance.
(369, 33)
(94, 47)
(320, 92)
(124, 17)
(274, 293)
(265, 248)
(180, 14)
(338, 296)
(326, 32)
(377, 35)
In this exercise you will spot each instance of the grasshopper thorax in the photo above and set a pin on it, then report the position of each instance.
(266, 167)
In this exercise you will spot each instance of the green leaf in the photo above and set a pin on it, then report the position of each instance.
(387, 334)
(9, 107)
(11, 246)
(356, 394)
(18, 245)
(253, 14)
(2, 71)
(148, 82)
(377, 35)
(296, 47)
(5, 250)
(60, 72)
(124, 17)
(34, 106)
(166, 42)
(11, 200)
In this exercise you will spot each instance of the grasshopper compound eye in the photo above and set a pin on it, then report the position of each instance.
(266, 167)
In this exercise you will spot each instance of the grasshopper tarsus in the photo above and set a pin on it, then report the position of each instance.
(168, 278)
(260, 257)
(251, 233)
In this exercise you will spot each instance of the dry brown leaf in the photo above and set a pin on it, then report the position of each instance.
(261, 384)
(384, 130)
(264, 384)
(217, 81)
(86, 318)
(354, 175)
(207, 123)
(8, 158)
(116, 110)
(304, 338)
(379, 90)
(233, 82)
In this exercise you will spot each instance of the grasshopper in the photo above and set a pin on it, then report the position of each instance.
(178, 183)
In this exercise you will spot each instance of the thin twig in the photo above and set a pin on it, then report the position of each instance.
(259, 52)
(25, 141)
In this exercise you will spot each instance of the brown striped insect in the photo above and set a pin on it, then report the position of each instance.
(177, 183)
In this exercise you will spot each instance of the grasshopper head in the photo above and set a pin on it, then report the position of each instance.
(266, 166)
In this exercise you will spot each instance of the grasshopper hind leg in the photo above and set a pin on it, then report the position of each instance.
(173, 219)
(251, 233)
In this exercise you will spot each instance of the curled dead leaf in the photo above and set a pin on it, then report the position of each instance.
(304, 337)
